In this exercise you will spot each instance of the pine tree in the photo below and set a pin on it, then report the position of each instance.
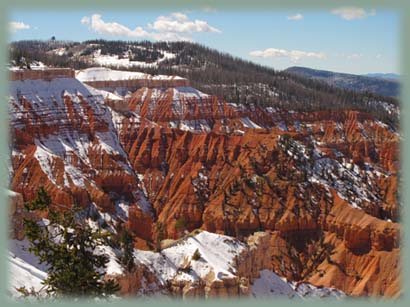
(127, 250)
(66, 244)
(159, 236)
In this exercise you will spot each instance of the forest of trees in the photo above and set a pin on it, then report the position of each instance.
(216, 73)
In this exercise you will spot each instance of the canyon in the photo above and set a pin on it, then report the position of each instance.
(311, 197)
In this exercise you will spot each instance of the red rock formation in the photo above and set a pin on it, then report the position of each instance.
(140, 223)
(326, 187)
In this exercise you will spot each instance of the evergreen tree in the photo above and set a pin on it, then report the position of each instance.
(127, 250)
(66, 244)
(197, 255)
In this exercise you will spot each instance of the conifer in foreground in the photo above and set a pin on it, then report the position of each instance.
(67, 245)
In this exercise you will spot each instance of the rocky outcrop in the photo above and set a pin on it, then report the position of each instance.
(373, 273)
(359, 231)
(210, 287)
(248, 264)
(186, 108)
(204, 282)
(256, 258)
(141, 281)
(140, 223)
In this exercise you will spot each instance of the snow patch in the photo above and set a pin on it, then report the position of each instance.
(247, 123)
(270, 284)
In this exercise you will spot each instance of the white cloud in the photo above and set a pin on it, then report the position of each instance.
(351, 12)
(113, 28)
(85, 20)
(166, 28)
(295, 17)
(18, 25)
(293, 55)
(180, 23)
(354, 56)
(378, 56)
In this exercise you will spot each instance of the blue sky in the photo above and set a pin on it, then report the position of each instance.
(347, 39)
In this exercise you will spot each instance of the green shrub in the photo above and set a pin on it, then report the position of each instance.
(197, 255)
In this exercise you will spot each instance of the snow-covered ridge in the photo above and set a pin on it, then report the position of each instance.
(107, 74)
(44, 92)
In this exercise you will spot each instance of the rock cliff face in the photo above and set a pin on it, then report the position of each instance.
(323, 185)
(41, 74)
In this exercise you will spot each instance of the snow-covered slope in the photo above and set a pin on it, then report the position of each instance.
(106, 74)
(270, 284)
(23, 268)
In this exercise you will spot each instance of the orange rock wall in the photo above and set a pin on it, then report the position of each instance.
(45, 74)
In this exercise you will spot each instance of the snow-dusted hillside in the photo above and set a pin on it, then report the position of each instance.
(49, 107)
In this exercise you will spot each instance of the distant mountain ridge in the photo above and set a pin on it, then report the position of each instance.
(373, 83)
(387, 76)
